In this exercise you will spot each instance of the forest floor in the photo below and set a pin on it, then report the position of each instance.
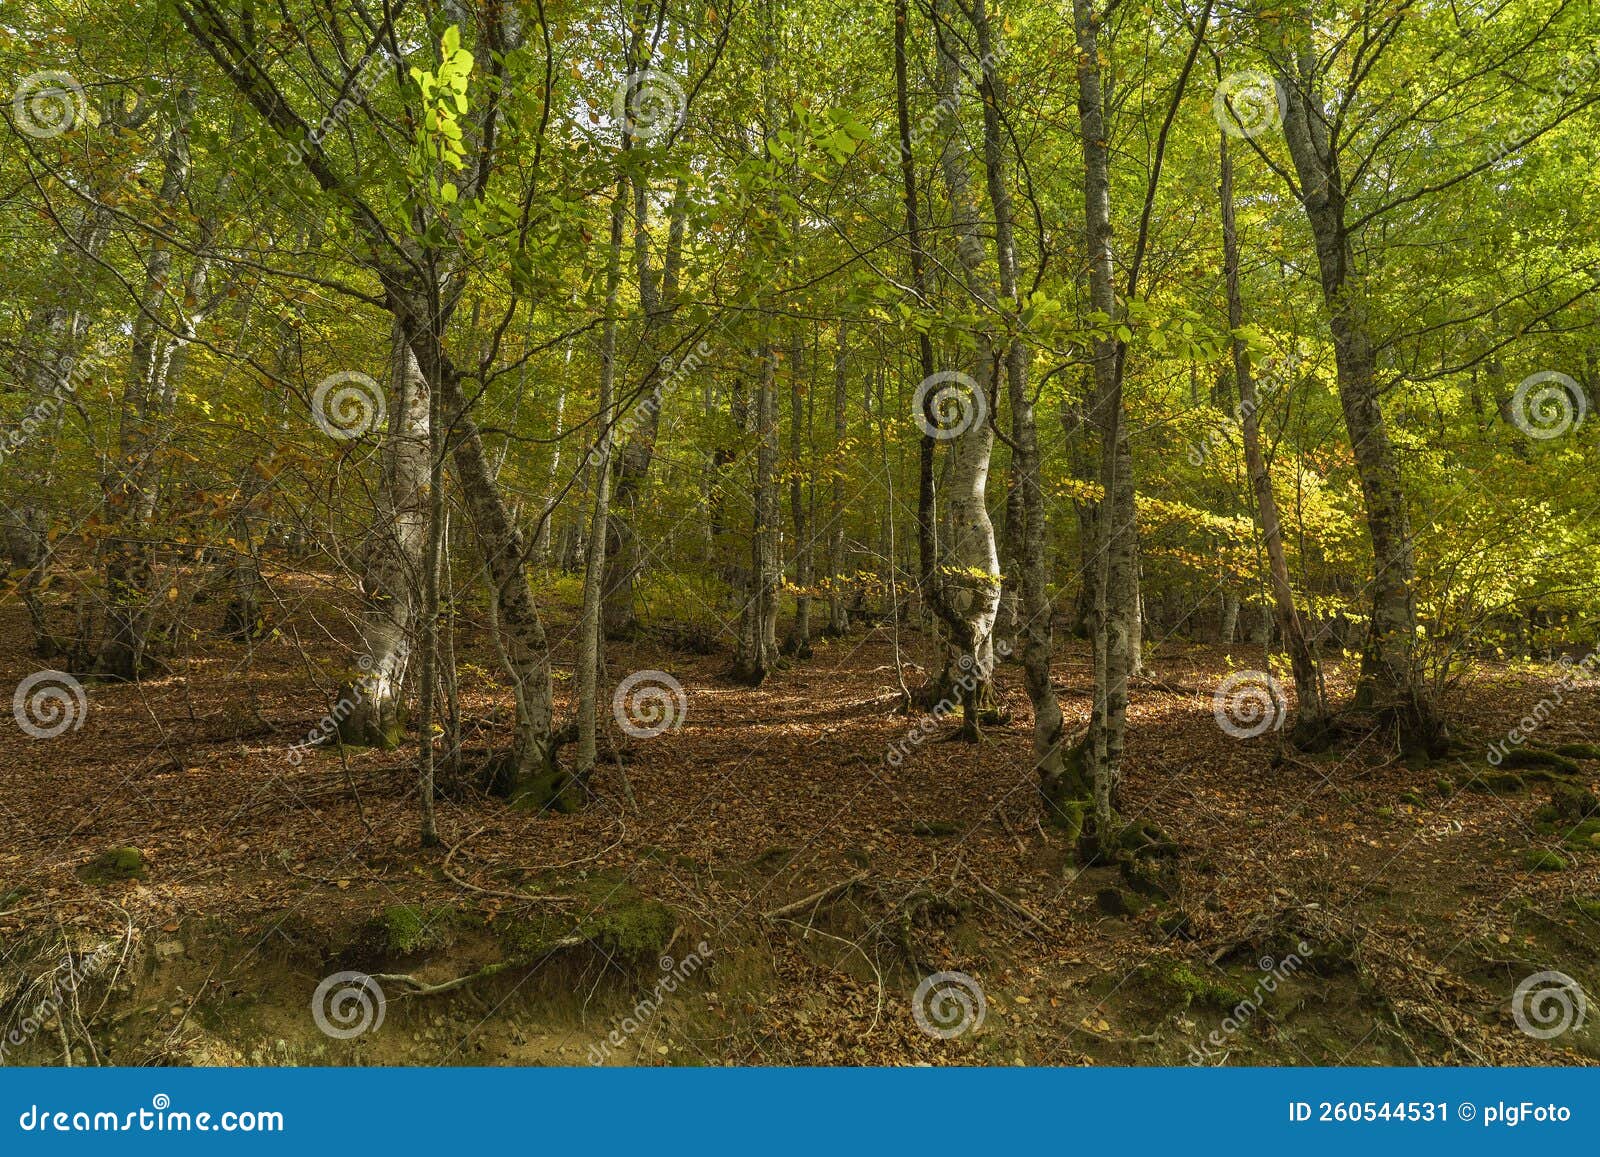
(1347, 908)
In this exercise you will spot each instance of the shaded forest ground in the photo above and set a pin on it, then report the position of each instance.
(1395, 907)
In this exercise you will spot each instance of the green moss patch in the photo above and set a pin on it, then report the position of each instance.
(1579, 750)
(406, 929)
(1543, 860)
(1535, 757)
(1586, 906)
(1187, 982)
(112, 866)
(1502, 782)
(609, 914)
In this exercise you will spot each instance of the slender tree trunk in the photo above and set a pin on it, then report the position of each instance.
(633, 459)
(1312, 713)
(838, 610)
(799, 641)
(543, 533)
(757, 652)
(1115, 594)
(589, 633)
(60, 336)
(431, 562)
(131, 487)
(972, 582)
(1064, 791)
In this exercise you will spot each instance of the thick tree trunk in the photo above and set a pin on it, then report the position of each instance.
(1083, 462)
(529, 774)
(371, 707)
(1393, 679)
(1228, 628)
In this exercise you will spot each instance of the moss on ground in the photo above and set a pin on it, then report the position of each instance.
(112, 866)
(407, 929)
(1537, 757)
(1205, 989)
(1579, 750)
(1543, 860)
(608, 913)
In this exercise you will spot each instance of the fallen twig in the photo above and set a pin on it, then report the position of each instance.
(815, 898)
